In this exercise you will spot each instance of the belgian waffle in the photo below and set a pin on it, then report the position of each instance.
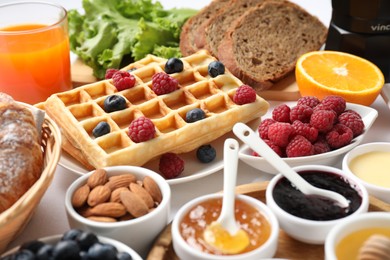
(79, 110)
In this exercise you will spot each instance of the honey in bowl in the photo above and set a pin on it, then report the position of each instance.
(348, 247)
(200, 216)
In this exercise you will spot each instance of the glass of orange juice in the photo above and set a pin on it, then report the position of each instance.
(34, 50)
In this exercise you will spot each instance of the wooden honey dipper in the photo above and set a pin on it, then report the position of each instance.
(376, 247)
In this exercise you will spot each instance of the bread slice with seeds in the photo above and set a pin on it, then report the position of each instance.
(263, 45)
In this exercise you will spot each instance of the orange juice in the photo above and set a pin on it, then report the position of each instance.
(34, 61)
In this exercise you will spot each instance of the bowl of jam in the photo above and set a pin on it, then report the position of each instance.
(253, 216)
(370, 163)
(309, 218)
(350, 239)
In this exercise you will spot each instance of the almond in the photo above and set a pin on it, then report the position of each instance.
(109, 209)
(85, 212)
(134, 204)
(151, 186)
(124, 180)
(80, 196)
(98, 177)
(102, 219)
(115, 194)
(98, 195)
(143, 194)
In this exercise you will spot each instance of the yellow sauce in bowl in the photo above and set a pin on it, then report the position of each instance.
(373, 168)
(348, 247)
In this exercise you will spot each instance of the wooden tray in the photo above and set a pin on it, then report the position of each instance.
(288, 247)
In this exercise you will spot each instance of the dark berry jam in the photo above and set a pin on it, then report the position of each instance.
(313, 207)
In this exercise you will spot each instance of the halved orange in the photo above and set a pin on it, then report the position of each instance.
(324, 73)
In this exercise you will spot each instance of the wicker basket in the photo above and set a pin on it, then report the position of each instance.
(14, 219)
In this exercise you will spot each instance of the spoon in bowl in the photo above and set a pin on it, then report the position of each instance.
(249, 137)
(376, 247)
(225, 234)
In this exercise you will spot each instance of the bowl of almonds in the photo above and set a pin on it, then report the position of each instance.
(127, 203)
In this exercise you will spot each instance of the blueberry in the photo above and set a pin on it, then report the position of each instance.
(86, 240)
(67, 249)
(71, 234)
(45, 252)
(206, 153)
(123, 256)
(23, 254)
(194, 115)
(114, 103)
(32, 246)
(101, 129)
(102, 251)
(173, 65)
(216, 68)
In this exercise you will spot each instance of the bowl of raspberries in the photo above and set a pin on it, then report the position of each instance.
(311, 131)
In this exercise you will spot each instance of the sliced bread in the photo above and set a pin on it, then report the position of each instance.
(195, 26)
(263, 45)
(217, 26)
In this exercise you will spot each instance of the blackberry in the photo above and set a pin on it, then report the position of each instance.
(216, 68)
(114, 103)
(173, 65)
(101, 129)
(206, 153)
(194, 115)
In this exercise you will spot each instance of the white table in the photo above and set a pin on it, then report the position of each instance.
(50, 217)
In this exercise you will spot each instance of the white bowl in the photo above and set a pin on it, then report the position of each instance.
(362, 221)
(184, 251)
(312, 231)
(380, 192)
(118, 245)
(138, 233)
(368, 115)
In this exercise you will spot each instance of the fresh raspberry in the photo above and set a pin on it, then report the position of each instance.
(323, 120)
(280, 133)
(109, 73)
(279, 151)
(309, 101)
(123, 80)
(353, 121)
(171, 165)
(162, 83)
(263, 127)
(340, 135)
(299, 146)
(321, 146)
(301, 113)
(244, 95)
(336, 103)
(141, 129)
(306, 130)
(353, 112)
(281, 113)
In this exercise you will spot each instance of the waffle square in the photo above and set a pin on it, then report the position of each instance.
(79, 110)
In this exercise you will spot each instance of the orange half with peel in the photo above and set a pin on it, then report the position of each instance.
(324, 73)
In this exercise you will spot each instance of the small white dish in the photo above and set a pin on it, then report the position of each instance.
(193, 169)
(376, 220)
(118, 245)
(187, 252)
(307, 230)
(331, 158)
(380, 192)
(139, 233)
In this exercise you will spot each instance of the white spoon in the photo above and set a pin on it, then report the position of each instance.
(224, 234)
(249, 137)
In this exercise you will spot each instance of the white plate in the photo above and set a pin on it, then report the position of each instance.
(193, 168)
(330, 158)
(55, 238)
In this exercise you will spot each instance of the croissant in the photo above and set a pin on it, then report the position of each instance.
(21, 158)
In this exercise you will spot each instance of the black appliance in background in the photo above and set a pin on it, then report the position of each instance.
(362, 27)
